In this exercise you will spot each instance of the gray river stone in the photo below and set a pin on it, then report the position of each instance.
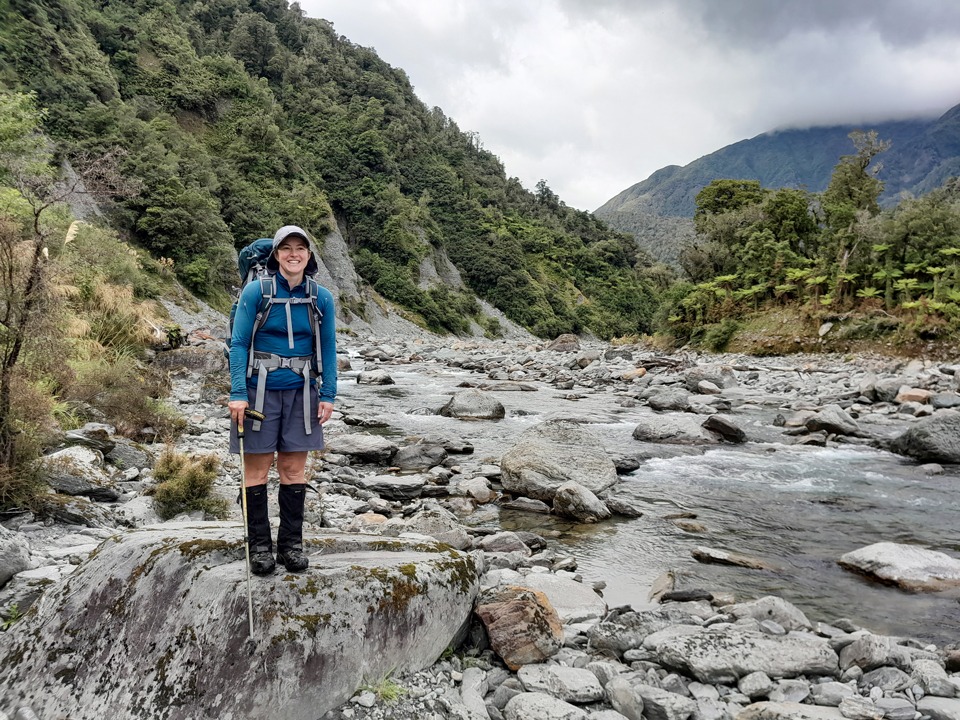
(932, 439)
(833, 419)
(552, 453)
(375, 377)
(831, 693)
(14, 554)
(419, 456)
(724, 656)
(573, 500)
(939, 708)
(668, 399)
(907, 566)
(869, 652)
(725, 427)
(155, 625)
(572, 685)
(627, 630)
(362, 446)
(722, 376)
(661, 704)
(932, 678)
(784, 613)
(436, 522)
(625, 698)
(473, 405)
(78, 470)
(392, 487)
(573, 601)
(788, 711)
(674, 429)
(540, 706)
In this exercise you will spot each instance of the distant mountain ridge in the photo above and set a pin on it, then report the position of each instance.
(922, 155)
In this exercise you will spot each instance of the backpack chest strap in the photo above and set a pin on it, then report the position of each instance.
(265, 363)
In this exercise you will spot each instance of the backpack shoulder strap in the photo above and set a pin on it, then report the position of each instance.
(268, 289)
(316, 315)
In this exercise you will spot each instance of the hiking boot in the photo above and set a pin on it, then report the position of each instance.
(258, 531)
(293, 559)
(290, 536)
(262, 562)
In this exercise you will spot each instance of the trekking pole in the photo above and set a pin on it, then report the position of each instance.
(243, 504)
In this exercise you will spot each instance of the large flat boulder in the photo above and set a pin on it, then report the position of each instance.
(910, 567)
(724, 657)
(155, 625)
(553, 453)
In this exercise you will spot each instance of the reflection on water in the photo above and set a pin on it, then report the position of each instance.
(799, 508)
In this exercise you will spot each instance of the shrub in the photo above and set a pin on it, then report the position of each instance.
(19, 489)
(185, 485)
(126, 392)
(717, 337)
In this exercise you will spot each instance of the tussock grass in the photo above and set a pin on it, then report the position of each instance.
(186, 484)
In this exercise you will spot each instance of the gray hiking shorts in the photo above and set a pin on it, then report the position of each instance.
(282, 431)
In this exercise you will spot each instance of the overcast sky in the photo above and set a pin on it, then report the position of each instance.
(595, 95)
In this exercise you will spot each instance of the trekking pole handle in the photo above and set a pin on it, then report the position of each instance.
(253, 415)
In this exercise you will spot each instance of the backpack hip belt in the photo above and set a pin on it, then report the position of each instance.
(265, 363)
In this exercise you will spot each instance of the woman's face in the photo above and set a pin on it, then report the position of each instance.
(293, 253)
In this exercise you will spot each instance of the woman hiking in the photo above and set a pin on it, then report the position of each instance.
(274, 359)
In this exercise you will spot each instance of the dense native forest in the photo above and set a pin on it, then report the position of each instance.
(234, 117)
(834, 255)
(181, 131)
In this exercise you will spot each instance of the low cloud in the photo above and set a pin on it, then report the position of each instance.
(595, 95)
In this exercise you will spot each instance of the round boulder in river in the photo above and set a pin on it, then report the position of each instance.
(473, 405)
(553, 453)
(932, 439)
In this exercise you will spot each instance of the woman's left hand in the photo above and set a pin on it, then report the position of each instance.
(324, 411)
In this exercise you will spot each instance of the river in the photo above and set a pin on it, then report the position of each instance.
(797, 507)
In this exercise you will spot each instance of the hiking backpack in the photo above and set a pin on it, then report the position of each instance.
(252, 265)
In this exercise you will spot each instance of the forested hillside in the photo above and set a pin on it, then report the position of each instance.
(237, 116)
(833, 255)
(922, 155)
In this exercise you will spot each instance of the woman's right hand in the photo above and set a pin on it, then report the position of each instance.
(236, 410)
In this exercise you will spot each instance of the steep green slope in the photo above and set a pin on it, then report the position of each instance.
(801, 159)
(238, 116)
(656, 211)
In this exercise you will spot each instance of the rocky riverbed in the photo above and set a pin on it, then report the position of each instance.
(538, 640)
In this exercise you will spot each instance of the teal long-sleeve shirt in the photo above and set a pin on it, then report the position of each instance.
(272, 338)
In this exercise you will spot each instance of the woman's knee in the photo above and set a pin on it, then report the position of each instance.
(256, 467)
(290, 466)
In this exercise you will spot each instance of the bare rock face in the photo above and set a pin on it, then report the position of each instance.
(522, 625)
(552, 453)
(155, 625)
